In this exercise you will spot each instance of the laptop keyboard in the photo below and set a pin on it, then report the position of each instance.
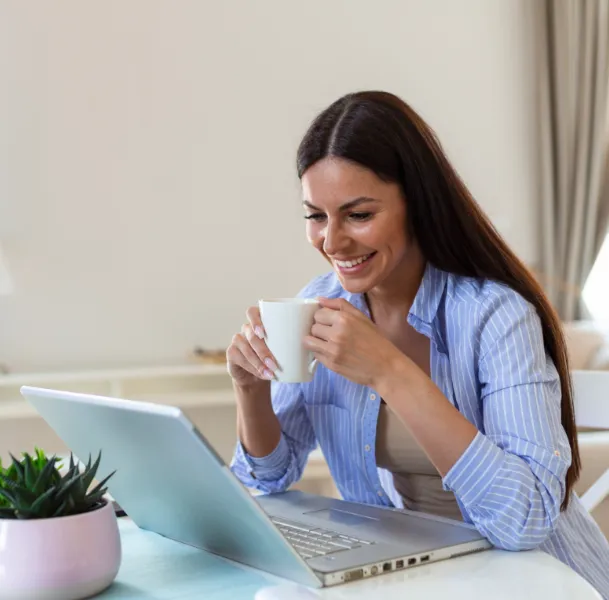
(310, 542)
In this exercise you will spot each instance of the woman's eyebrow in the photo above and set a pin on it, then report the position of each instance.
(347, 205)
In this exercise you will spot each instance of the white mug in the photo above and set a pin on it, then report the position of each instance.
(287, 321)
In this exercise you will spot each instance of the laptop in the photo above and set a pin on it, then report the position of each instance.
(169, 480)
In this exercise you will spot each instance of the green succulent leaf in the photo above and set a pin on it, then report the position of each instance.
(90, 471)
(9, 496)
(60, 510)
(96, 498)
(43, 502)
(16, 469)
(66, 487)
(23, 495)
(30, 471)
(6, 482)
(101, 484)
(72, 473)
(44, 477)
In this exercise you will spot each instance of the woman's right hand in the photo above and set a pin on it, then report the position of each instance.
(249, 361)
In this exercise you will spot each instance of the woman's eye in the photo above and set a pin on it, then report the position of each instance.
(317, 217)
(360, 216)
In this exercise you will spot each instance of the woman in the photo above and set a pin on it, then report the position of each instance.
(443, 385)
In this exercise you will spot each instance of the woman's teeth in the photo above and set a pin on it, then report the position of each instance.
(352, 263)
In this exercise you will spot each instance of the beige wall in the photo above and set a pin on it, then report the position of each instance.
(147, 185)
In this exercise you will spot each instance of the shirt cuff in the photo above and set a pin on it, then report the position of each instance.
(475, 470)
(273, 465)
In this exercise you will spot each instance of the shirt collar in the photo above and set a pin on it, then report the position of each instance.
(429, 295)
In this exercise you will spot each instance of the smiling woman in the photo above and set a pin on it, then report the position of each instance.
(443, 382)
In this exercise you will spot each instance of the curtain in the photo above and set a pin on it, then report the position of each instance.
(573, 84)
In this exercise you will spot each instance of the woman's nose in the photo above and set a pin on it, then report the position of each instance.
(334, 239)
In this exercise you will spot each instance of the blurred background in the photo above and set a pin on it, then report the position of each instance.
(148, 192)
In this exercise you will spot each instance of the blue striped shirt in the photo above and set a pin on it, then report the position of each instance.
(488, 358)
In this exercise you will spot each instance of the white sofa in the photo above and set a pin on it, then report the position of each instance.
(588, 347)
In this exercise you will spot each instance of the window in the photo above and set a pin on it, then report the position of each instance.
(596, 290)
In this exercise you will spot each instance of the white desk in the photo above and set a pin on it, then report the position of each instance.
(156, 568)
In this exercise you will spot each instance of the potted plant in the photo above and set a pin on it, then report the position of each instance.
(59, 539)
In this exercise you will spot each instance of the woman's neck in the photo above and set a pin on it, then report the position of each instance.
(397, 293)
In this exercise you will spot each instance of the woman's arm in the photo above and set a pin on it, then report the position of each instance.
(438, 427)
(511, 479)
(270, 460)
(258, 428)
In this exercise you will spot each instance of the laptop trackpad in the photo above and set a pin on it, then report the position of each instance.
(343, 517)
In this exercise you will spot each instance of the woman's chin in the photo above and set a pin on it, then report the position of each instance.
(355, 285)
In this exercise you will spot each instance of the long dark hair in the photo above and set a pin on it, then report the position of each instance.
(384, 134)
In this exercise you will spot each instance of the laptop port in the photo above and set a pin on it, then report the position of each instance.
(399, 564)
(353, 575)
(412, 561)
(425, 558)
(374, 570)
(386, 567)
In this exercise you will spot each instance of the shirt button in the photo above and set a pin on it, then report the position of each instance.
(367, 448)
(380, 493)
(556, 453)
(372, 396)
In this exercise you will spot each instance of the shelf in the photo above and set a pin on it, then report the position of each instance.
(54, 377)
(20, 409)
(184, 385)
(199, 399)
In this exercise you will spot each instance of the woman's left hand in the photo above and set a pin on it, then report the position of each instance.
(347, 342)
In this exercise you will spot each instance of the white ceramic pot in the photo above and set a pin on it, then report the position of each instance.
(66, 558)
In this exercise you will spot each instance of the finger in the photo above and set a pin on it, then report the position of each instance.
(321, 332)
(236, 359)
(252, 358)
(260, 348)
(337, 304)
(315, 345)
(326, 316)
(253, 316)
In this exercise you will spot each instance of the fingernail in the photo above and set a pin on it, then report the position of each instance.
(270, 364)
(267, 374)
(258, 331)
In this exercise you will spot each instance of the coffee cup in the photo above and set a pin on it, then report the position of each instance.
(287, 321)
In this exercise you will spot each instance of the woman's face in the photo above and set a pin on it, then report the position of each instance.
(357, 221)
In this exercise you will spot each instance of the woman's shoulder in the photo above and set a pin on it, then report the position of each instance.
(485, 292)
(326, 285)
(494, 303)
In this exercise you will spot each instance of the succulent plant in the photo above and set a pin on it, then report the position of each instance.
(33, 488)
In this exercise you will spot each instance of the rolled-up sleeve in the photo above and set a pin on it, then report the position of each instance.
(285, 464)
(511, 478)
